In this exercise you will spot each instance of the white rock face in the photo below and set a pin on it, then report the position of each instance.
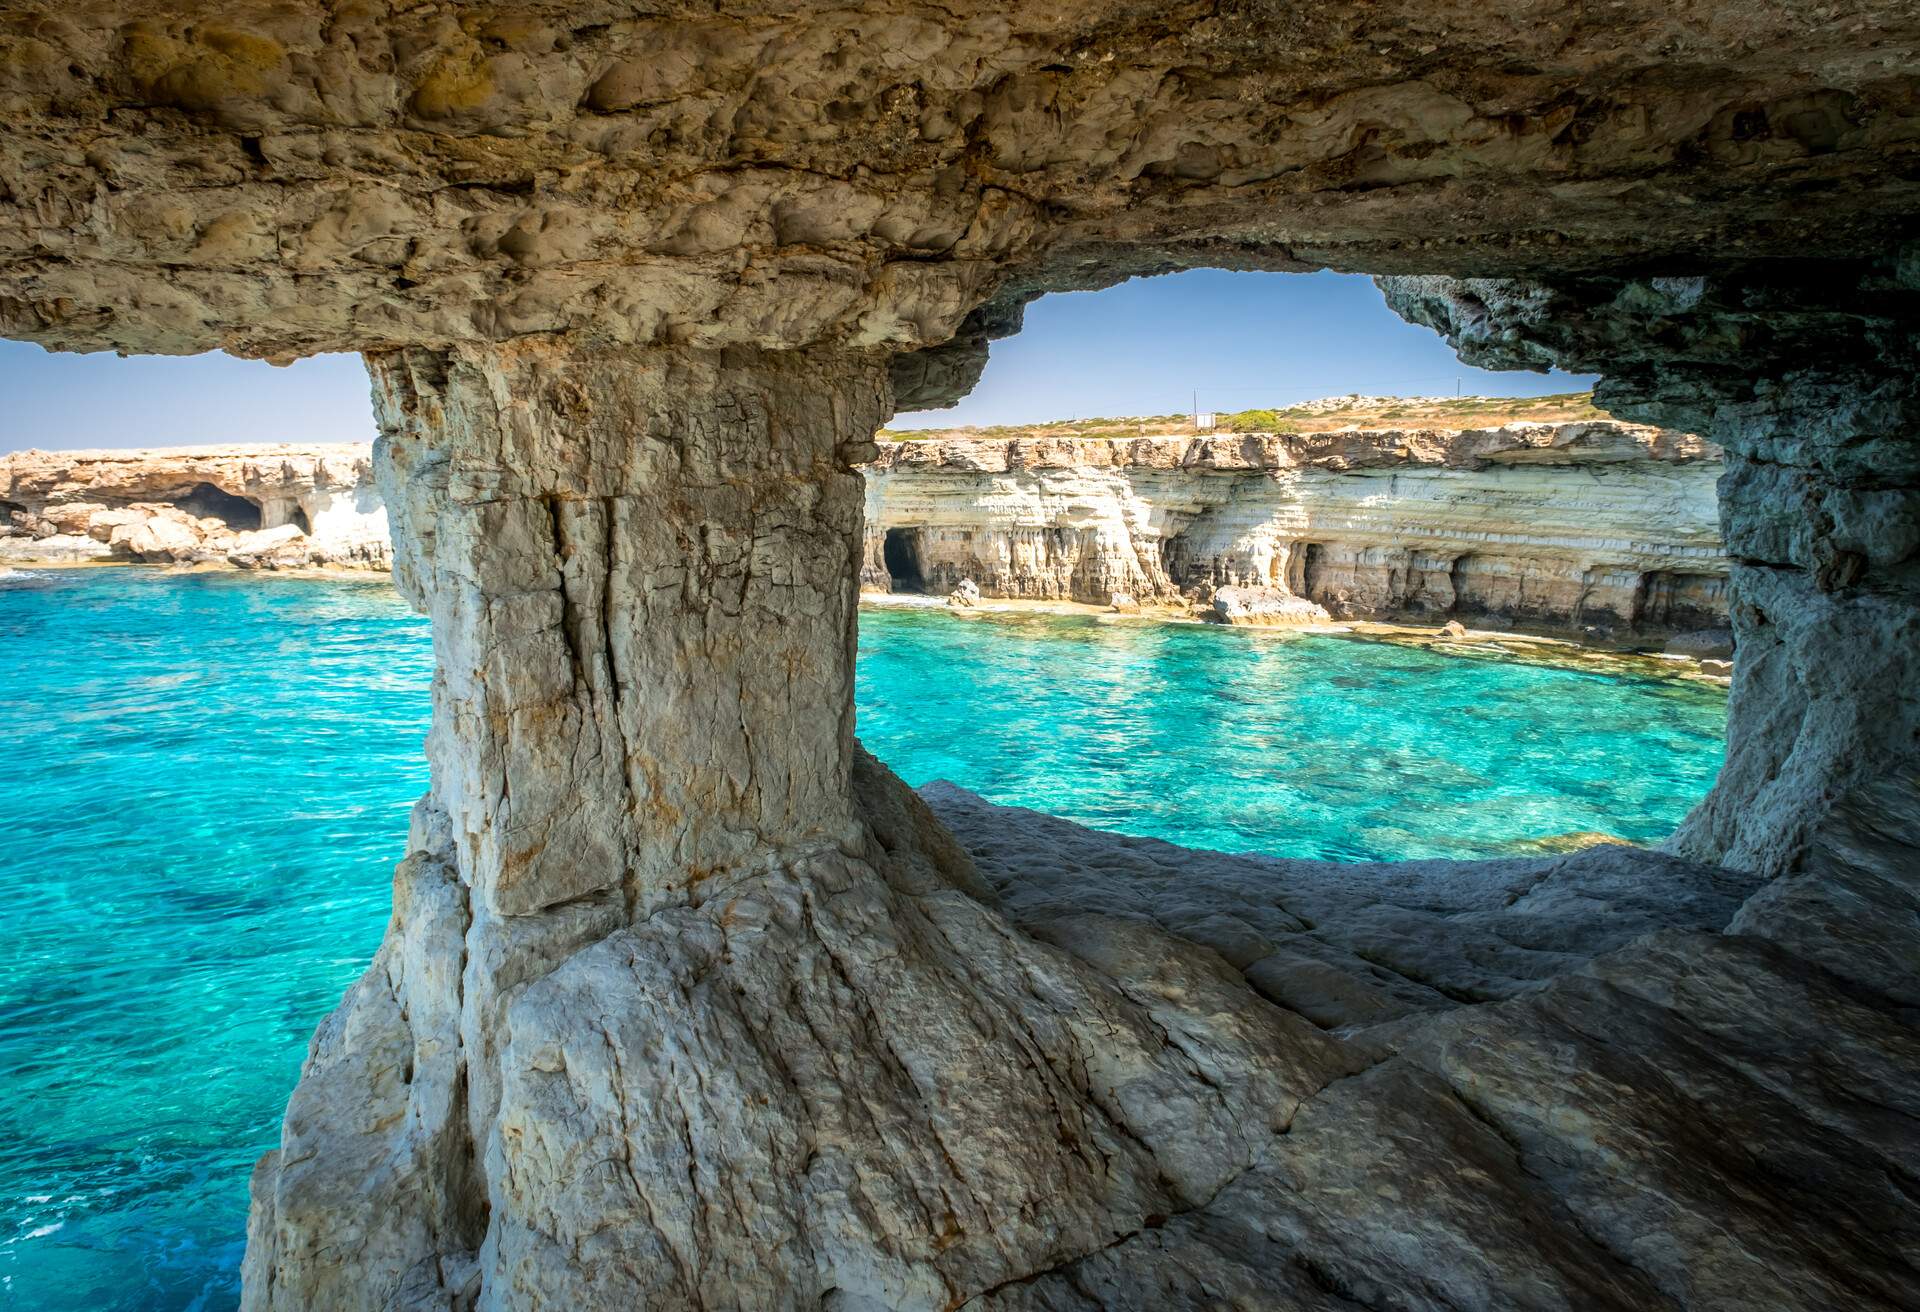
(253, 507)
(1558, 524)
(1265, 606)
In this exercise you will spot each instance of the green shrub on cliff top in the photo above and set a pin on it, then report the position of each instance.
(1257, 421)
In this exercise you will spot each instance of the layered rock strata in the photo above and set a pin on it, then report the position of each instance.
(255, 507)
(1591, 525)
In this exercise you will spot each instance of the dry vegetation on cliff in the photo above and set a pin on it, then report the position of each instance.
(1323, 416)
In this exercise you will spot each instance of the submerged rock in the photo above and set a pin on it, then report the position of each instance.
(1578, 840)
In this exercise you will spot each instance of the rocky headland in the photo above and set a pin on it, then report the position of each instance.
(249, 507)
(1600, 528)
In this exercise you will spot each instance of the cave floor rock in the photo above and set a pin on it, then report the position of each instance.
(1565, 1087)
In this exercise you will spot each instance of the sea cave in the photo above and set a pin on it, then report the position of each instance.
(687, 1000)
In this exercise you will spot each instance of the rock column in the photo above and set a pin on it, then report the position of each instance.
(639, 568)
(640, 571)
(1820, 509)
(685, 1001)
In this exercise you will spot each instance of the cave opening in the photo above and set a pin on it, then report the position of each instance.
(205, 501)
(1458, 580)
(300, 521)
(1301, 455)
(902, 554)
(1680, 600)
(1312, 572)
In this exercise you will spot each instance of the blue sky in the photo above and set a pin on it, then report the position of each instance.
(1240, 339)
(57, 401)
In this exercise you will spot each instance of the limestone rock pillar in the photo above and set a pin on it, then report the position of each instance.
(686, 1002)
(640, 571)
(1820, 512)
(639, 567)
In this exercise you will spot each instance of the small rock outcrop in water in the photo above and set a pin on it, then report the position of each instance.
(1270, 606)
(251, 507)
(1581, 525)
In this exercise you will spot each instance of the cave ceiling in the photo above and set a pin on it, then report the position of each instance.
(281, 179)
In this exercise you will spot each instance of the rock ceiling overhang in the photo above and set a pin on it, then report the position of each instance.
(279, 179)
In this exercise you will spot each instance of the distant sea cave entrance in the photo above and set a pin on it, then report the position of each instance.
(206, 501)
(902, 556)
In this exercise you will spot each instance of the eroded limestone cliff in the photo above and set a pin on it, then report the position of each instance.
(1605, 526)
(254, 507)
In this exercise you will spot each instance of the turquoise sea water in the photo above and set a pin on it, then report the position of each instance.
(208, 779)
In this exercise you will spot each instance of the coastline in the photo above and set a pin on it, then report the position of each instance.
(1510, 644)
(337, 573)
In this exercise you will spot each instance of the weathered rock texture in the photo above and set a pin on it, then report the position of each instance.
(272, 507)
(1807, 386)
(283, 178)
(1567, 1090)
(1585, 524)
(685, 1004)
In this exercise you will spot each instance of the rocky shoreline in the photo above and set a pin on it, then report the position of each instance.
(1504, 535)
(1703, 655)
(1603, 531)
(272, 507)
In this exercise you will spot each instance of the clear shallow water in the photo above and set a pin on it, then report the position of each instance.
(207, 780)
(1287, 744)
(208, 777)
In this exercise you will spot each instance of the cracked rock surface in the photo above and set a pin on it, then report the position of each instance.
(685, 1002)
(1606, 1103)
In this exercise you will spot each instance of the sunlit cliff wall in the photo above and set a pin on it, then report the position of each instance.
(1606, 524)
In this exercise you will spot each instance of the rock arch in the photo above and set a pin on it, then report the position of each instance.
(688, 1003)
